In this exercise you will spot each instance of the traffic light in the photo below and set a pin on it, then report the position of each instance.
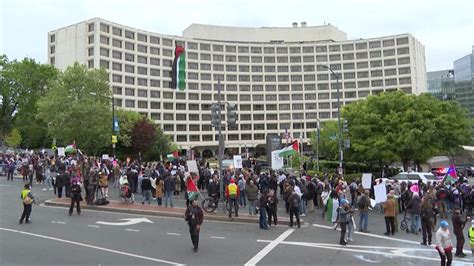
(231, 115)
(345, 126)
(215, 115)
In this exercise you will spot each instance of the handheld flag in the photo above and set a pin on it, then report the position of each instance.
(451, 175)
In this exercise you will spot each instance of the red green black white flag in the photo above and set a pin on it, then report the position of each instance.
(179, 69)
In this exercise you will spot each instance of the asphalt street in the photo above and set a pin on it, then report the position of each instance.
(55, 238)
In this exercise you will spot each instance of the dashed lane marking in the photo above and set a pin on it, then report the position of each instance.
(57, 222)
(92, 246)
(173, 234)
(95, 226)
(132, 230)
(217, 237)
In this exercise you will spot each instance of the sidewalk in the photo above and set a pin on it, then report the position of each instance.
(154, 209)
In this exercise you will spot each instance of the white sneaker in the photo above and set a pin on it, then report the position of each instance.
(303, 215)
(350, 239)
(44, 189)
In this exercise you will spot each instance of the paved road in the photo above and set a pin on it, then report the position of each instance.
(54, 238)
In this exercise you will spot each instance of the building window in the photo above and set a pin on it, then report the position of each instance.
(90, 27)
(104, 52)
(129, 46)
(117, 31)
(402, 41)
(116, 66)
(129, 35)
(52, 61)
(104, 40)
(104, 27)
(104, 64)
(141, 37)
(130, 103)
(387, 43)
(142, 59)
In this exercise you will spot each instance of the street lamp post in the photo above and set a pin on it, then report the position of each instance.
(339, 129)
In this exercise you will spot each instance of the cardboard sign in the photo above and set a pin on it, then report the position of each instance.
(277, 161)
(367, 180)
(61, 151)
(192, 166)
(105, 156)
(238, 161)
(380, 192)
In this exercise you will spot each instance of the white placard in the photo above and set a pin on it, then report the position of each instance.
(238, 161)
(372, 203)
(105, 156)
(277, 161)
(367, 180)
(380, 192)
(61, 151)
(192, 166)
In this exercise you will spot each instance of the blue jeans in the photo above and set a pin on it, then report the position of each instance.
(146, 196)
(303, 205)
(415, 223)
(169, 196)
(242, 199)
(363, 220)
(252, 209)
(350, 230)
(263, 219)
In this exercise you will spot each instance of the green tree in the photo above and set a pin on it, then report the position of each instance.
(162, 145)
(127, 120)
(78, 108)
(397, 126)
(22, 83)
(14, 138)
(328, 141)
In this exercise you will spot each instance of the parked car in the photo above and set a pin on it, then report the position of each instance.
(415, 176)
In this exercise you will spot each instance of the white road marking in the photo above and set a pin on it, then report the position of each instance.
(58, 222)
(4, 185)
(91, 246)
(129, 221)
(357, 249)
(381, 237)
(217, 237)
(132, 230)
(173, 234)
(91, 225)
(262, 253)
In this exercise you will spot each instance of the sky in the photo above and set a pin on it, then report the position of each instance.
(446, 28)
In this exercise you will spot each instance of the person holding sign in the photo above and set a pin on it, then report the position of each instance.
(28, 199)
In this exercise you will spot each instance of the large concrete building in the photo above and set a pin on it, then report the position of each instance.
(274, 75)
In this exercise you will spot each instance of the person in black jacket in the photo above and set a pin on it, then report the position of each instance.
(272, 202)
(169, 186)
(194, 216)
(426, 217)
(146, 189)
(60, 183)
(76, 198)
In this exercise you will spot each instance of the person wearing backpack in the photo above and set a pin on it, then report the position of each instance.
(76, 197)
(28, 199)
(363, 203)
(294, 201)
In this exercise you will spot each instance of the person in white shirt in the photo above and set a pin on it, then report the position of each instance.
(444, 244)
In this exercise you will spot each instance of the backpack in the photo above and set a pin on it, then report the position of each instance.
(362, 202)
(296, 202)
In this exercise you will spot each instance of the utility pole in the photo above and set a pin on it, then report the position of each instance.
(221, 141)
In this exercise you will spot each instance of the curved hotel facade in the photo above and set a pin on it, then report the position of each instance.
(274, 75)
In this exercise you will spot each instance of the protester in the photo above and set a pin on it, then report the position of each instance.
(146, 189)
(443, 244)
(194, 216)
(232, 194)
(363, 203)
(471, 237)
(344, 217)
(251, 191)
(426, 219)
(458, 225)
(76, 197)
(294, 202)
(159, 190)
(390, 210)
(414, 209)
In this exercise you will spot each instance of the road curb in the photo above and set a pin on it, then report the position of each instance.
(207, 216)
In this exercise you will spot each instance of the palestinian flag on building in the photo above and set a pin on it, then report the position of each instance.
(292, 149)
(451, 176)
(172, 156)
(71, 148)
(179, 69)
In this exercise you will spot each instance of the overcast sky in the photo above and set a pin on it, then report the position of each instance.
(446, 28)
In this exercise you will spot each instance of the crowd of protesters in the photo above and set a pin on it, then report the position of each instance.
(424, 204)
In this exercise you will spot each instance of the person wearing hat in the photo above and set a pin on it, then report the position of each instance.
(194, 216)
(443, 243)
(344, 218)
(232, 194)
(471, 237)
